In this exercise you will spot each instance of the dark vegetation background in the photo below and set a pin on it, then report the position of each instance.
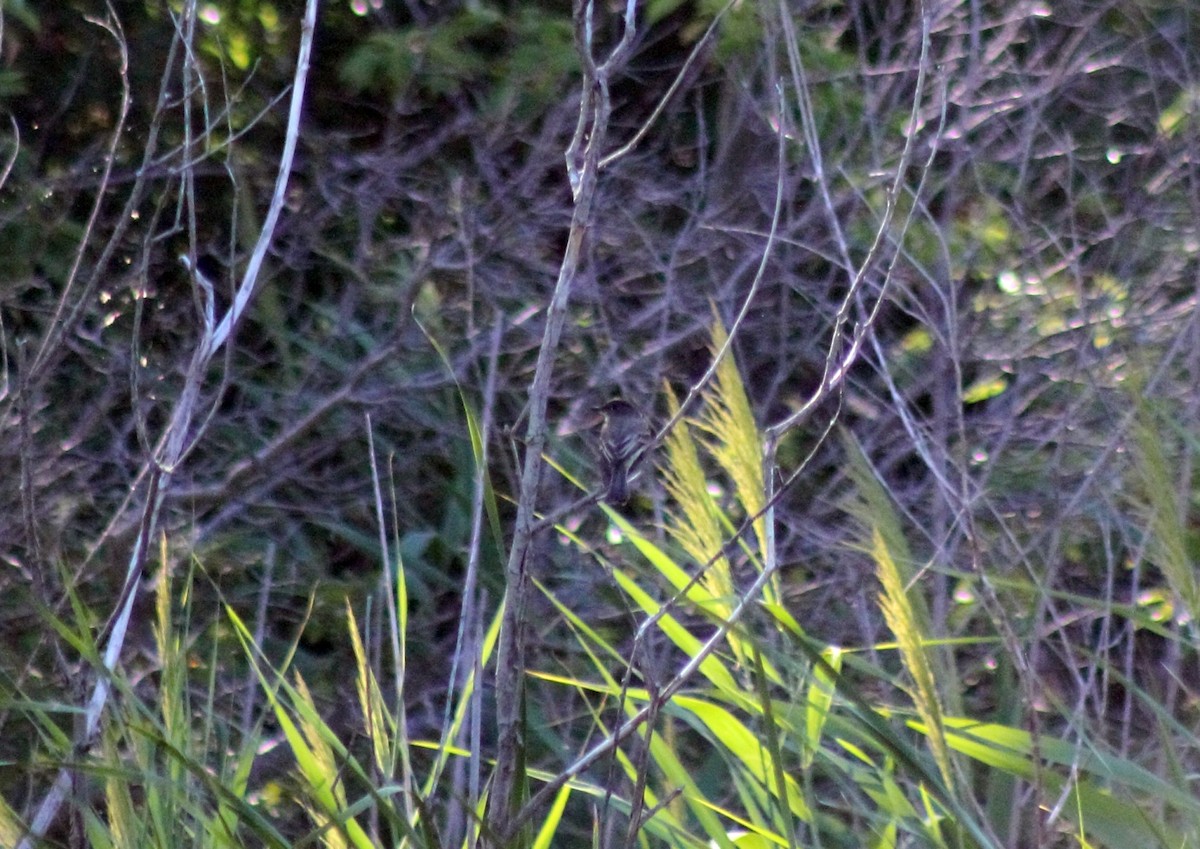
(1045, 288)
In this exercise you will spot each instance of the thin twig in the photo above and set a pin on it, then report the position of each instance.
(174, 447)
(590, 135)
(58, 326)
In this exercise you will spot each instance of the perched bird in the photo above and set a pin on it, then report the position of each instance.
(624, 437)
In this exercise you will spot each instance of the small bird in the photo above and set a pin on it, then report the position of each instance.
(624, 437)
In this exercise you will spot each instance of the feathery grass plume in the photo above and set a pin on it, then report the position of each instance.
(902, 621)
(1164, 514)
(737, 447)
(320, 775)
(906, 613)
(377, 719)
(872, 508)
(696, 524)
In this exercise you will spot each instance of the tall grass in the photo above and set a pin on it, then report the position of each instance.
(718, 717)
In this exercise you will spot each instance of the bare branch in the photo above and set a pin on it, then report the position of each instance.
(174, 443)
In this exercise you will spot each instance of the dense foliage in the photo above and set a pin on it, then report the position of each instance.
(967, 230)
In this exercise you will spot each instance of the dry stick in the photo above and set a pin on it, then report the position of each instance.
(388, 579)
(554, 517)
(510, 656)
(510, 661)
(389, 587)
(467, 642)
(473, 603)
(808, 125)
(261, 618)
(640, 765)
(676, 84)
(175, 445)
(644, 715)
(644, 629)
(833, 376)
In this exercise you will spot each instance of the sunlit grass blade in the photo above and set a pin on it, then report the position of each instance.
(818, 701)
